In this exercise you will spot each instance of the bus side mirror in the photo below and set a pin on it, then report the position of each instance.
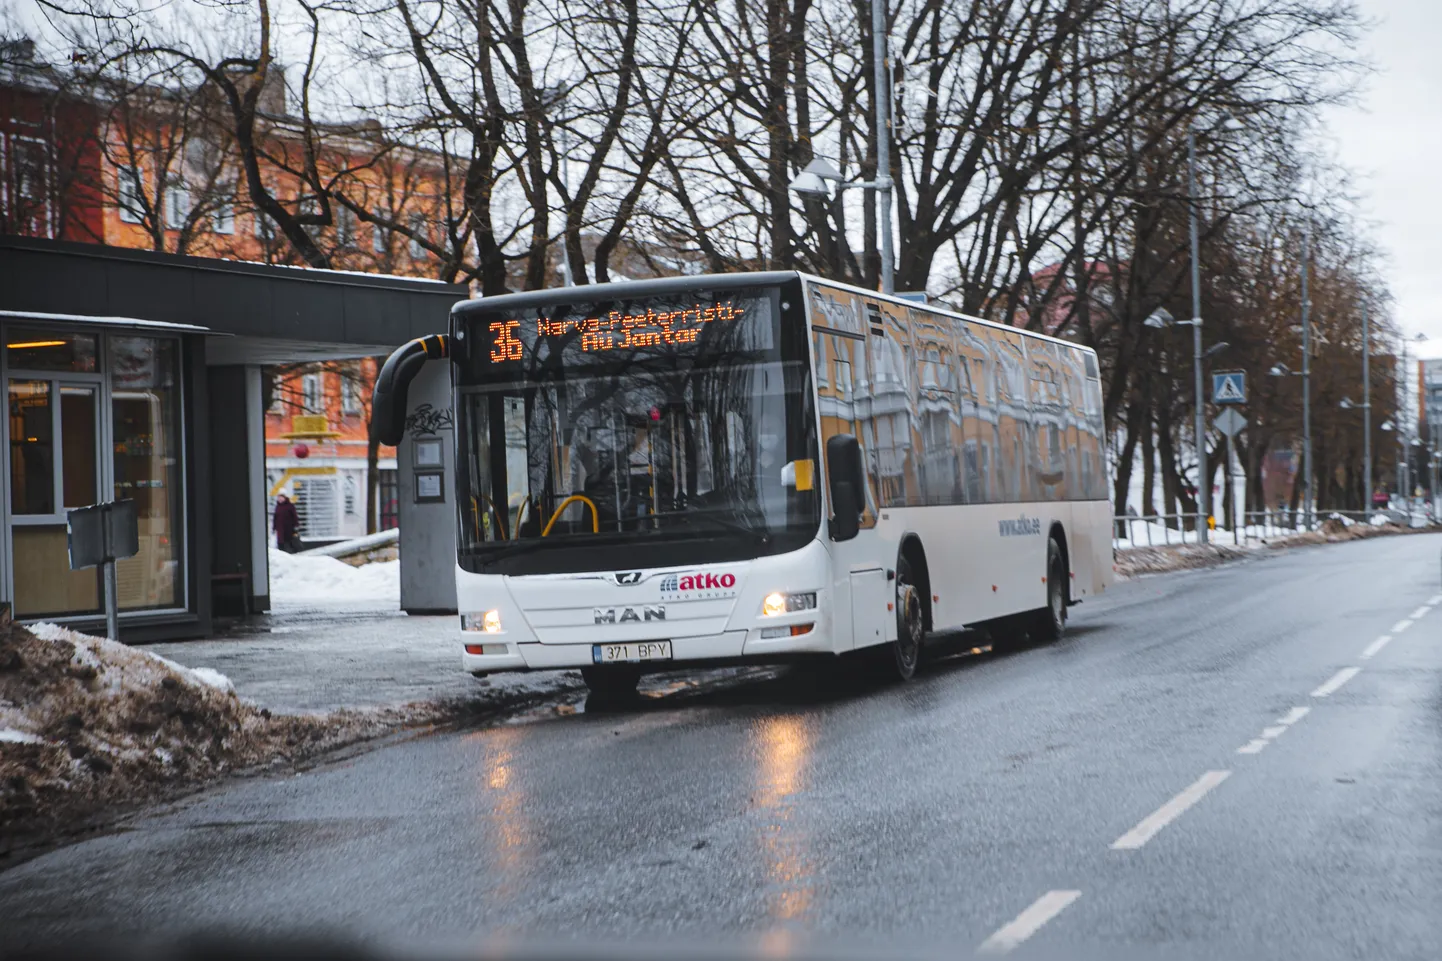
(388, 397)
(843, 469)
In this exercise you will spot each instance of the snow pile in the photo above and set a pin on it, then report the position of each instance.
(1346, 521)
(97, 652)
(311, 580)
(86, 723)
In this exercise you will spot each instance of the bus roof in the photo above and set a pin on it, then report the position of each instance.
(660, 286)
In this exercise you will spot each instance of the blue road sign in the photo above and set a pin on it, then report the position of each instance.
(1229, 387)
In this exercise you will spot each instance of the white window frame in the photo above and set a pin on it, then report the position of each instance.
(350, 391)
(312, 385)
(378, 233)
(344, 226)
(130, 189)
(222, 215)
(177, 203)
(418, 226)
(15, 162)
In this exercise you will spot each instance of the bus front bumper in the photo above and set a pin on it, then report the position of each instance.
(728, 646)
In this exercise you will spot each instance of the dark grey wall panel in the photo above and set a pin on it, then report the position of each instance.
(255, 300)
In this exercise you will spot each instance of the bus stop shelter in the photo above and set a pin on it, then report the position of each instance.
(138, 375)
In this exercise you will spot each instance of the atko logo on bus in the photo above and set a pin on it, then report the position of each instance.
(1021, 527)
(683, 583)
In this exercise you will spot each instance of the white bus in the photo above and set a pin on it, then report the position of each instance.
(755, 467)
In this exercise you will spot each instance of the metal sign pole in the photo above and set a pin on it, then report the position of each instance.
(1232, 485)
(112, 601)
(112, 606)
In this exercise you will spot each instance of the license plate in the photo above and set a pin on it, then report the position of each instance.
(635, 651)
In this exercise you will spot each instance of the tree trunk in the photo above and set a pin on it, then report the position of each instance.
(1149, 469)
(1123, 479)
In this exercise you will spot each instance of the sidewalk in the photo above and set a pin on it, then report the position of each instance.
(323, 659)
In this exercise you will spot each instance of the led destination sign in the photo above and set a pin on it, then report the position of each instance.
(630, 331)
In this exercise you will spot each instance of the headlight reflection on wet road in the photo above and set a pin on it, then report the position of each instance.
(783, 746)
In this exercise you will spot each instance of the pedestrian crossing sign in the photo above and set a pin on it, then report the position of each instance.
(1229, 387)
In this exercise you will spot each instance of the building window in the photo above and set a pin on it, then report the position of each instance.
(145, 432)
(379, 240)
(312, 391)
(32, 171)
(419, 235)
(350, 495)
(350, 390)
(315, 506)
(344, 227)
(131, 188)
(388, 516)
(222, 216)
(177, 205)
(264, 229)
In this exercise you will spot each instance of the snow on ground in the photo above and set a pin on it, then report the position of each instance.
(86, 723)
(1140, 533)
(307, 581)
(126, 667)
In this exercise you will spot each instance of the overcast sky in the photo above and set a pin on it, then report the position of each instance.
(1393, 142)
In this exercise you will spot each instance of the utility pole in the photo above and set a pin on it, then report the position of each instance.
(1306, 382)
(1366, 411)
(1204, 484)
(883, 142)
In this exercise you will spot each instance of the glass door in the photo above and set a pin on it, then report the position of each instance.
(55, 444)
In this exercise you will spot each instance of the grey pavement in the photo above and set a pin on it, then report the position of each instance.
(981, 801)
(323, 658)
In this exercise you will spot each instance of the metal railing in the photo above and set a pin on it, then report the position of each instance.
(1166, 530)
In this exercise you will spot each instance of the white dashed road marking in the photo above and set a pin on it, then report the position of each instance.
(1376, 646)
(1338, 679)
(1270, 734)
(1169, 812)
(1027, 923)
(1294, 715)
(1436, 600)
(1420, 612)
(1401, 626)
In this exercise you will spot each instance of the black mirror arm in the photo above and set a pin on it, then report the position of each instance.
(388, 400)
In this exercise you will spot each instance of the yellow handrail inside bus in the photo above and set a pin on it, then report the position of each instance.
(520, 514)
(595, 514)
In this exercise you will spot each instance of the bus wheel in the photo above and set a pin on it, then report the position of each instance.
(612, 680)
(1049, 623)
(910, 624)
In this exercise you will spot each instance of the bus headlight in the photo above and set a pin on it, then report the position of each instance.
(489, 622)
(777, 603)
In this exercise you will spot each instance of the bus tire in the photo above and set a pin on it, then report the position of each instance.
(903, 655)
(612, 680)
(1048, 624)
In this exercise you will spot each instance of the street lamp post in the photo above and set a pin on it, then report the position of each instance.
(883, 141)
(1366, 411)
(1204, 482)
(812, 180)
(1306, 382)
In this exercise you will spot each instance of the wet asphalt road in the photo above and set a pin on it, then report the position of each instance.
(924, 817)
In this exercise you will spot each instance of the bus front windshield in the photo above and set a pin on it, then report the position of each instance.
(633, 435)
